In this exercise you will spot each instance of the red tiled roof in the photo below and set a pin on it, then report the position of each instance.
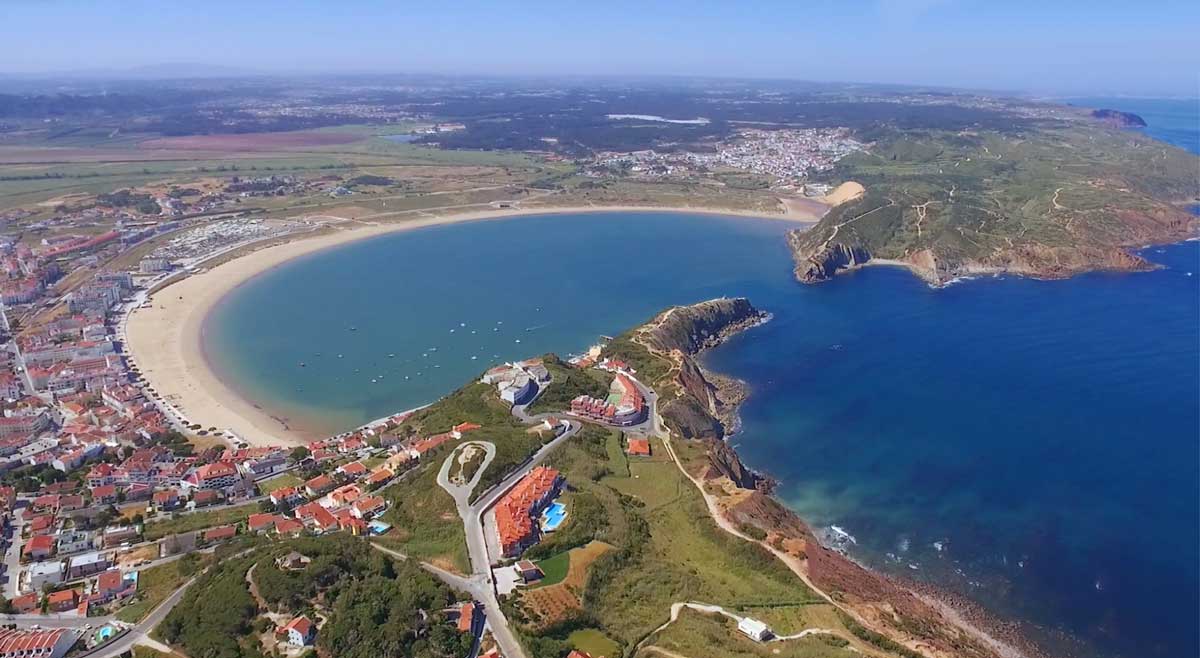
(513, 521)
(640, 447)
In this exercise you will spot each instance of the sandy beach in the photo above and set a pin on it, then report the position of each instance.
(164, 338)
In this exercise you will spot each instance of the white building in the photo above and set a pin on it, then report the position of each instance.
(40, 574)
(518, 391)
(754, 629)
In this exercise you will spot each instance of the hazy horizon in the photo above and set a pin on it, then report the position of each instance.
(1065, 49)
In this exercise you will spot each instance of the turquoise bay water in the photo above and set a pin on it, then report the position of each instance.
(1034, 445)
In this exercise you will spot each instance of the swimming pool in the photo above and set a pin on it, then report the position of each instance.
(105, 633)
(553, 516)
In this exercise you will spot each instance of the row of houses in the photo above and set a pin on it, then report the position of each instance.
(517, 512)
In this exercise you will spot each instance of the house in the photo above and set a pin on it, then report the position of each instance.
(354, 470)
(754, 629)
(638, 447)
(527, 571)
(117, 535)
(288, 527)
(39, 547)
(319, 485)
(368, 507)
(27, 603)
(167, 499)
(287, 497)
(74, 541)
(62, 601)
(40, 574)
(378, 477)
(260, 523)
(300, 631)
(206, 497)
(312, 514)
(87, 564)
(111, 584)
(219, 533)
(466, 617)
(105, 494)
(293, 561)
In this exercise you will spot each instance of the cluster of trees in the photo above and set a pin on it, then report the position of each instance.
(369, 179)
(374, 606)
(143, 203)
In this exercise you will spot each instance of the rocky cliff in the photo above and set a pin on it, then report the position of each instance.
(692, 329)
(698, 405)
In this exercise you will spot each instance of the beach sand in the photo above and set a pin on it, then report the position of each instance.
(164, 338)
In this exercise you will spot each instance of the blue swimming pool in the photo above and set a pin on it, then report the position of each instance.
(553, 517)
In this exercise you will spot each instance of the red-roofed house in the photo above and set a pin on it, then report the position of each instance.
(300, 631)
(39, 547)
(220, 533)
(104, 494)
(354, 470)
(260, 523)
(62, 601)
(319, 485)
(638, 447)
(466, 617)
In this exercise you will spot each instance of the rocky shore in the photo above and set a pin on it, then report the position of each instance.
(698, 405)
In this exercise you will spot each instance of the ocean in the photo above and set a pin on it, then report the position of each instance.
(1031, 444)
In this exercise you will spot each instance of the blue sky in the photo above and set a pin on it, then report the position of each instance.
(1050, 46)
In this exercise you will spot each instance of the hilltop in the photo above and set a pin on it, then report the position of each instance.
(1048, 202)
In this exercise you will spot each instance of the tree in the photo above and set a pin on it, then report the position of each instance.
(299, 454)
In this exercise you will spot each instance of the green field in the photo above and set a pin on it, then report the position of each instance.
(554, 569)
(197, 521)
(157, 583)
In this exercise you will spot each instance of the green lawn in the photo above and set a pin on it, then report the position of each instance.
(618, 462)
(554, 568)
(594, 643)
(198, 521)
(157, 583)
(279, 482)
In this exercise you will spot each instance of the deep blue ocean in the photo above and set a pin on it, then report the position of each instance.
(1032, 444)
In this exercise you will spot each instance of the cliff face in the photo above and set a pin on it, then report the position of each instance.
(691, 329)
(814, 266)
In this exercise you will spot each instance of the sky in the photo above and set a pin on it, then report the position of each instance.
(1143, 47)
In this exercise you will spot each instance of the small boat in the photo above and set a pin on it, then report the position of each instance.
(518, 340)
(462, 324)
(372, 381)
(474, 357)
(353, 328)
(339, 356)
(433, 349)
(391, 356)
(301, 364)
(451, 331)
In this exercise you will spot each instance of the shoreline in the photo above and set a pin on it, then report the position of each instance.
(1008, 638)
(166, 339)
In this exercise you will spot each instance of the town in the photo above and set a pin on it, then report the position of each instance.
(784, 157)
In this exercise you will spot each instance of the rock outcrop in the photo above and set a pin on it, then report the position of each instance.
(823, 264)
